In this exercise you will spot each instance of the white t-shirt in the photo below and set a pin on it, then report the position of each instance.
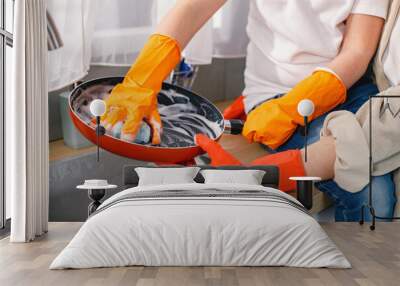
(391, 58)
(290, 38)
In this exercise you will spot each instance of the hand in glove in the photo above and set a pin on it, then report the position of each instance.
(135, 99)
(236, 109)
(274, 122)
(290, 163)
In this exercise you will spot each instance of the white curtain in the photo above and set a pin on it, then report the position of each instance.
(27, 124)
(121, 29)
(112, 32)
(224, 36)
(74, 20)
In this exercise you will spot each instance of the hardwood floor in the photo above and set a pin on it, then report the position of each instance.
(375, 257)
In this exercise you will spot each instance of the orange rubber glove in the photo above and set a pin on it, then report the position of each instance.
(218, 156)
(290, 163)
(274, 122)
(135, 99)
(236, 109)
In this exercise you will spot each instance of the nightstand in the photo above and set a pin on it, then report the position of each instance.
(96, 191)
(305, 190)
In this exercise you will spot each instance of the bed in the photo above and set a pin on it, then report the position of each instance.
(201, 224)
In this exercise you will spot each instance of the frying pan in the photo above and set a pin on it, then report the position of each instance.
(183, 113)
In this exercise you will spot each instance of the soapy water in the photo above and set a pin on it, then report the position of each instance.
(182, 115)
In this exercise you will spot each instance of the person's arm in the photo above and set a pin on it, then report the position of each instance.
(274, 122)
(359, 46)
(135, 99)
(186, 18)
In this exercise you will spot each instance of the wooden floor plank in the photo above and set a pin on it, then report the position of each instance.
(375, 257)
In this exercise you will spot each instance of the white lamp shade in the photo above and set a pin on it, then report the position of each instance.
(305, 107)
(97, 107)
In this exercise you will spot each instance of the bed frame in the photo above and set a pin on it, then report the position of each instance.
(271, 178)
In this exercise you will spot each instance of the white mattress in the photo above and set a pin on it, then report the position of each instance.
(200, 232)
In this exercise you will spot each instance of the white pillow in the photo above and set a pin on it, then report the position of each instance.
(245, 177)
(166, 176)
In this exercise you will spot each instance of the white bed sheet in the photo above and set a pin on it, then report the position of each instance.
(200, 232)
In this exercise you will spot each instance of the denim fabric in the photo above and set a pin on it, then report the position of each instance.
(348, 205)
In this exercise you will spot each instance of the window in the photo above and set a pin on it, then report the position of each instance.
(6, 43)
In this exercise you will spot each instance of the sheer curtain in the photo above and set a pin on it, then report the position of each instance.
(27, 124)
(109, 32)
(224, 36)
(74, 20)
(121, 29)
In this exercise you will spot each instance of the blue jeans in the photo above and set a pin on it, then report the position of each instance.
(348, 205)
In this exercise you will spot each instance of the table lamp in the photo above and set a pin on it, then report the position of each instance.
(98, 108)
(305, 184)
(305, 108)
